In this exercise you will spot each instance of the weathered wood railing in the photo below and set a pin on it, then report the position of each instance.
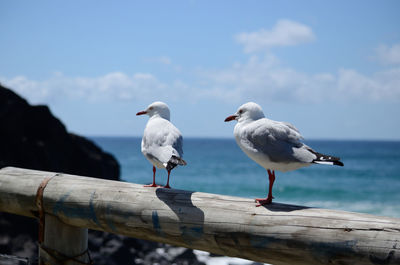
(232, 226)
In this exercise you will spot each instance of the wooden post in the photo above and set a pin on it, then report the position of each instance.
(63, 244)
(277, 233)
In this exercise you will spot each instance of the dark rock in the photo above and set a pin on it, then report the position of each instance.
(23, 246)
(31, 137)
(187, 258)
(18, 236)
(155, 258)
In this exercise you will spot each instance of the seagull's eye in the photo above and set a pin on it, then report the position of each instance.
(240, 111)
(150, 108)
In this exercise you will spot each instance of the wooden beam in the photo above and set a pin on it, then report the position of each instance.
(63, 244)
(232, 226)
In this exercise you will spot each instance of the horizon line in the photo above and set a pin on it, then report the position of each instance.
(232, 138)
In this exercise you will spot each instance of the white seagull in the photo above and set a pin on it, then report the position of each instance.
(162, 142)
(273, 145)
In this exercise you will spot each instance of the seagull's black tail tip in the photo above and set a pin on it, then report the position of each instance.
(328, 162)
(338, 163)
(326, 159)
(175, 161)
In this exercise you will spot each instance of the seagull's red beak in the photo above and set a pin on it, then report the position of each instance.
(141, 113)
(231, 118)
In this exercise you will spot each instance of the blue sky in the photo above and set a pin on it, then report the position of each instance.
(330, 68)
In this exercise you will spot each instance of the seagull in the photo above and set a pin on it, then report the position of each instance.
(162, 141)
(274, 145)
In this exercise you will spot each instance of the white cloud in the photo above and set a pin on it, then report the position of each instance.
(383, 85)
(261, 79)
(266, 80)
(388, 55)
(284, 33)
(24, 86)
(111, 86)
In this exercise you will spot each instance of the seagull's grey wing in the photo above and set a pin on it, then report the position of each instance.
(175, 140)
(292, 127)
(284, 131)
(276, 140)
(178, 145)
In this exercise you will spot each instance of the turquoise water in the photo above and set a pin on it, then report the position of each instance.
(369, 182)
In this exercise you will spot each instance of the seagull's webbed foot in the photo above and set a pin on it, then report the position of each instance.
(152, 185)
(167, 186)
(261, 202)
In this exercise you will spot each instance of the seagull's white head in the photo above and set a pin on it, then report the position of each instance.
(248, 111)
(155, 109)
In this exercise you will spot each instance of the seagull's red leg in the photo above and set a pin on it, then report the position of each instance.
(154, 179)
(268, 200)
(167, 186)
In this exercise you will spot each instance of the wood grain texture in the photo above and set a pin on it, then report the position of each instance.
(232, 226)
(63, 244)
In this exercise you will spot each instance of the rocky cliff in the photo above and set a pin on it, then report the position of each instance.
(31, 137)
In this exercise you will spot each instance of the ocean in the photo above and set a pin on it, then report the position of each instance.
(369, 182)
